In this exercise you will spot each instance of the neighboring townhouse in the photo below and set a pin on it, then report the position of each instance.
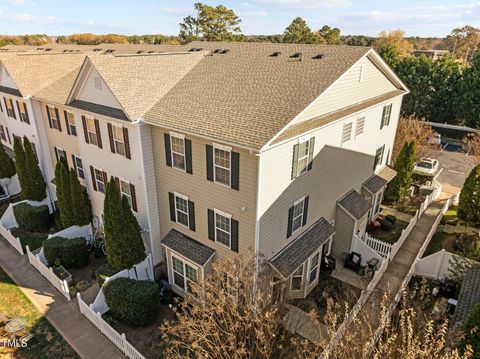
(92, 117)
(280, 150)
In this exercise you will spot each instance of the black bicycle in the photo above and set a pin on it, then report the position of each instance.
(96, 244)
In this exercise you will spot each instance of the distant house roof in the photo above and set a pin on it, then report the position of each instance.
(355, 204)
(297, 252)
(188, 247)
(246, 96)
(469, 295)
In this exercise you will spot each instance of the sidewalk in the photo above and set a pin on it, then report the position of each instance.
(65, 316)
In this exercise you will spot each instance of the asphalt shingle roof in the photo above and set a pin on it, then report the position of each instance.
(355, 204)
(246, 96)
(469, 295)
(58, 91)
(297, 252)
(188, 247)
(374, 184)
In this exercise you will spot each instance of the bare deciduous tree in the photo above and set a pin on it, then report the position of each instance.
(409, 129)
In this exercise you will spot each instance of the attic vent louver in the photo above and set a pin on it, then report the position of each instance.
(199, 49)
(48, 49)
(151, 52)
(224, 51)
(216, 51)
(275, 54)
(192, 49)
(65, 50)
(318, 57)
(97, 49)
(297, 55)
(39, 48)
(140, 52)
(109, 51)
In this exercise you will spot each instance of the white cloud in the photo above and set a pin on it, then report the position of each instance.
(255, 13)
(17, 2)
(304, 4)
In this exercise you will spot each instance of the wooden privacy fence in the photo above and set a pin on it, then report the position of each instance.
(119, 340)
(47, 272)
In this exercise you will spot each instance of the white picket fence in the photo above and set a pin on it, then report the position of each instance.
(379, 246)
(119, 340)
(47, 272)
(403, 236)
(431, 197)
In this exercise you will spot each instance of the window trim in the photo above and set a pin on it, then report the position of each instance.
(95, 169)
(182, 137)
(57, 153)
(304, 140)
(184, 275)
(226, 215)
(129, 196)
(121, 140)
(89, 133)
(10, 111)
(377, 200)
(297, 202)
(70, 125)
(225, 149)
(185, 198)
(53, 119)
(379, 163)
(75, 158)
(22, 112)
(302, 266)
(309, 273)
(345, 124)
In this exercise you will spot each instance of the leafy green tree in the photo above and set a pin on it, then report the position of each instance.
(36, 188)
(64, 198)
(81, 207)
(298, 32)
(390, 54)
(20, 166)
(471, 330)
(398, 187)
(123, 239)
(469, 202)
(212, 23)
(469, 94)
(7, 166)
(330, 36)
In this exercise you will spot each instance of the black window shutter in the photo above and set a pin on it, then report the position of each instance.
(295, 161)
(126, 141)
(19, 112)
(168, 150)
(310, 153)
(13, 109)
(305, 210)
(99, 135)
(235, 170)
(49, 118)
(234, 235)
(74, 163)
(56, 152)
(209, 150)
(171, 199)
(85, 131)
(67, 126)
(58, 120)
(191, 215)
(26, 113)
(188, 156)
(134, 197)
(211, 225)
(94, 181)
(383, 116)
(110, 137)
(290, 220)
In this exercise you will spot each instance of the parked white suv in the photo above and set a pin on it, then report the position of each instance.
(426, 166)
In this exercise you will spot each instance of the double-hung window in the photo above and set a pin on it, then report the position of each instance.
(379, 157)
(347, 132)
(313, 265)
(223, 228)
(118, 140)
(59, 154)
(184, 274)
(181, 210)
(298, 212)
(9, 106)
(387, 112)
(79, 167)
(297, 279)
(54, 120)
(303, 157)
(22, 112)
(91, 131)
(126, 191)
(71, 126)
(99, 179)
(222, 169)
(177, 145)
(377, 203)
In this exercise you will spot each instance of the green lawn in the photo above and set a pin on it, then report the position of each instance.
(450, 217)
(46, 342)
(392, 235)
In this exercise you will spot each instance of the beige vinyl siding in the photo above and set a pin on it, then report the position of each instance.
(342, 239)
(89, 93)
(348, 90)
(207, 195)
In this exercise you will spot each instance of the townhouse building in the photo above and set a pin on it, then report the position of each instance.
(228, 149)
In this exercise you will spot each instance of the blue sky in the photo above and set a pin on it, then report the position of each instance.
(368, 17)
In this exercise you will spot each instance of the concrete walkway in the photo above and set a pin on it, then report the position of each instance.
(398, 269)
(65, 316)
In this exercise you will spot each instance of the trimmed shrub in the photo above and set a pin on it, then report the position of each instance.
(102, 273)
(134, 302)
(391, 218)
(71, 253)
(385, 225)
(30, 218)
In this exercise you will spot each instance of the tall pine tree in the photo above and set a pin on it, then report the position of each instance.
(36, 188)
(7, 166)
(123, 240)
(21, 166)
(81, 207)
(64, 201)
(398, 187)
(469, 202)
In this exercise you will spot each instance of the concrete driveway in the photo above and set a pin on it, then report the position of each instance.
(456, 167)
